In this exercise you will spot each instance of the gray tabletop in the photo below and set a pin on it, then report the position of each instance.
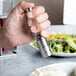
(28, 58)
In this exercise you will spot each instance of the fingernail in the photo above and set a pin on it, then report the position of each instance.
(33, 29)
(30, 23)
(30, 15)
(45, 33)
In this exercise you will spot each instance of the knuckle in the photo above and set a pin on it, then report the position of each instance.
(41, 7)
(21, 2)
(38, 9)
(44, 25)
(41, 17)
(37, 19)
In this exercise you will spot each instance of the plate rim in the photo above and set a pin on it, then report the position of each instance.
(54, 64)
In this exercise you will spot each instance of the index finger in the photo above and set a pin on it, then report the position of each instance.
(22, 6)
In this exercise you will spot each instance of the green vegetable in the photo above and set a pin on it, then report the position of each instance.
(57, 48)
(35, 44)
(71, 43)
(61, 44)
(67, 49)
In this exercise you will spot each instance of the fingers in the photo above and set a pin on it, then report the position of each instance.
(40, 18)
(45, 33)
(40, 27)
(43, 25)
(36, 11)
(22, 6)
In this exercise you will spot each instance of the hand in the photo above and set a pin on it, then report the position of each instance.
(16, 29)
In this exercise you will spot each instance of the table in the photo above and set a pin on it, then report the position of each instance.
(28, 58)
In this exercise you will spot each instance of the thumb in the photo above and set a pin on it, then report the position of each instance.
(20, 8)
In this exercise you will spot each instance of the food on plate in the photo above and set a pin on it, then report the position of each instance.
(60, 43)
(49, 71)
(74, 73)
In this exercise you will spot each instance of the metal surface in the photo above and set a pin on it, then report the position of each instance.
(42, 43)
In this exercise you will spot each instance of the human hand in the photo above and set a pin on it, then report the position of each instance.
(16, 29)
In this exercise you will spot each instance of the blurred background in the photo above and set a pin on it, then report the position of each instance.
(53, 7)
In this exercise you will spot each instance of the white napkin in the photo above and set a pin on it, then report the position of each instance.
(1, 6)
(69, 12)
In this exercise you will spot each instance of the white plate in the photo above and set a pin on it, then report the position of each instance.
(64, 54)
(58, 54)
(66, 67)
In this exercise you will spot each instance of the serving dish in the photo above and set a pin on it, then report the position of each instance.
(63, 45)
(66, 67)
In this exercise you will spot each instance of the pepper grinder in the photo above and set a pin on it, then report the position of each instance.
(41, 41)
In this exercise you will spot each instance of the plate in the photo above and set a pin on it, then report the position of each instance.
(58, 54)
(66, 67)
(59, 30)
